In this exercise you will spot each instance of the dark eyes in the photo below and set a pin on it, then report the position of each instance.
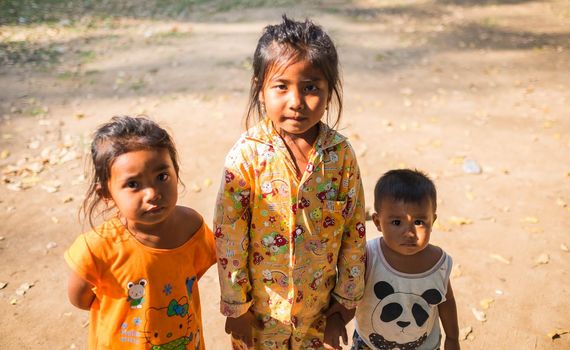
(163, 177)
(416, 222)
(311, 88)
(307, 89)
(132, 184)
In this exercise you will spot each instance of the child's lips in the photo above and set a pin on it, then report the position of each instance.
(154, 210)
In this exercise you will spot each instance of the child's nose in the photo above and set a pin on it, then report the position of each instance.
(152, 194)
(295, 99)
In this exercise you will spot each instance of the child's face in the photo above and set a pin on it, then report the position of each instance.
(144, 186)
(295, 98)
(406, 227)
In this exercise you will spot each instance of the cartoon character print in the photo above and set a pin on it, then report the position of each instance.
(190, 281)
(314, 343)
(229, 176)
(135, 293)
(169, 327)
(267, 277)
(361, 228)
(218, 233)
(240, 198)
(316, 214)
(327, 190)
(267, 189)
(317, 247)
(402, 317)
(304, 203)
(274, 244)
(298, 234)
(328, 222)
(317, 279)
(257, 258)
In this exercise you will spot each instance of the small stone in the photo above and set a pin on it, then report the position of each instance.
(471, 167)
(22, 289)
(51, 245)
(3, 285)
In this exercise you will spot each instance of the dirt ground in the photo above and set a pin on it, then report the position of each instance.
(446, 86)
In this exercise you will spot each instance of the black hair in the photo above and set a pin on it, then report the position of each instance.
(121, 135)
(405, 185)
(289, 42)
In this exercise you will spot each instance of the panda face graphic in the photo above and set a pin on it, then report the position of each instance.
(402, 317)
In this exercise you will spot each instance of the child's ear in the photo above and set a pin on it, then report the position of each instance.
(376, 220)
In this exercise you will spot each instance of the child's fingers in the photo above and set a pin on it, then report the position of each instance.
(344, 336)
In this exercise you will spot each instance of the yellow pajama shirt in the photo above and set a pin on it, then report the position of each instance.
(285, 244)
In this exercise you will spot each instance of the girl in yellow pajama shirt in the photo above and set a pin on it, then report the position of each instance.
(289, 221)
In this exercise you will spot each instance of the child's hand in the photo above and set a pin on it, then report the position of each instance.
(334, 329)
(241, 327)
(451, 344)
(336, 307)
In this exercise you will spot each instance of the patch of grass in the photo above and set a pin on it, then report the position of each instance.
(20, 52)
(87, 56)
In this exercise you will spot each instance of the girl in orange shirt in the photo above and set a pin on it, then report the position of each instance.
(137, 273)
(289, 221)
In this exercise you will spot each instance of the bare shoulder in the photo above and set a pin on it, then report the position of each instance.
(189, 219)
(433, 254)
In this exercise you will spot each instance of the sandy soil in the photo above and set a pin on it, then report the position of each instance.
(428, 84)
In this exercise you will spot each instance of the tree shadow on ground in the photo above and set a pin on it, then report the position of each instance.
(23, 12)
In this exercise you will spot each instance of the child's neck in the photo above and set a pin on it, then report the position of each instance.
(413, 264)
(163, 235)
(300, 147)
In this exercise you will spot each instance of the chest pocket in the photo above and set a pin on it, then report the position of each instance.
(332, 223)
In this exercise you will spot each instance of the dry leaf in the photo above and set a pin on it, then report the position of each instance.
(479, 315)
(13, 301)
(207, 182)
(561, 202)
(541, 259)
(68, 199)
(531, 220)
(3, 285)
(464, 332)
(564, 247)
(459, 221)
(486, 303)
(557, 333)
(24, 288)
(500, 258)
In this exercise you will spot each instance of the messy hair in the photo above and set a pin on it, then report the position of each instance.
(121, 135)
(289, 42)
(410, 186)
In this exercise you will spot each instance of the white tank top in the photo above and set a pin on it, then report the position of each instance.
(399, 310)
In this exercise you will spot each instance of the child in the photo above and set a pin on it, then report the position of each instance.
(289, 221)
(407, 279)
(137, 273)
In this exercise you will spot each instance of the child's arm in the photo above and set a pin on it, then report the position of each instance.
(79, 292)
(448, 316)
(231, 232)
(351, 259)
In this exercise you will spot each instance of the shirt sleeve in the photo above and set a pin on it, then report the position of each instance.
(349, 288)
(208, 252)
(231, 231)
(81, 259)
